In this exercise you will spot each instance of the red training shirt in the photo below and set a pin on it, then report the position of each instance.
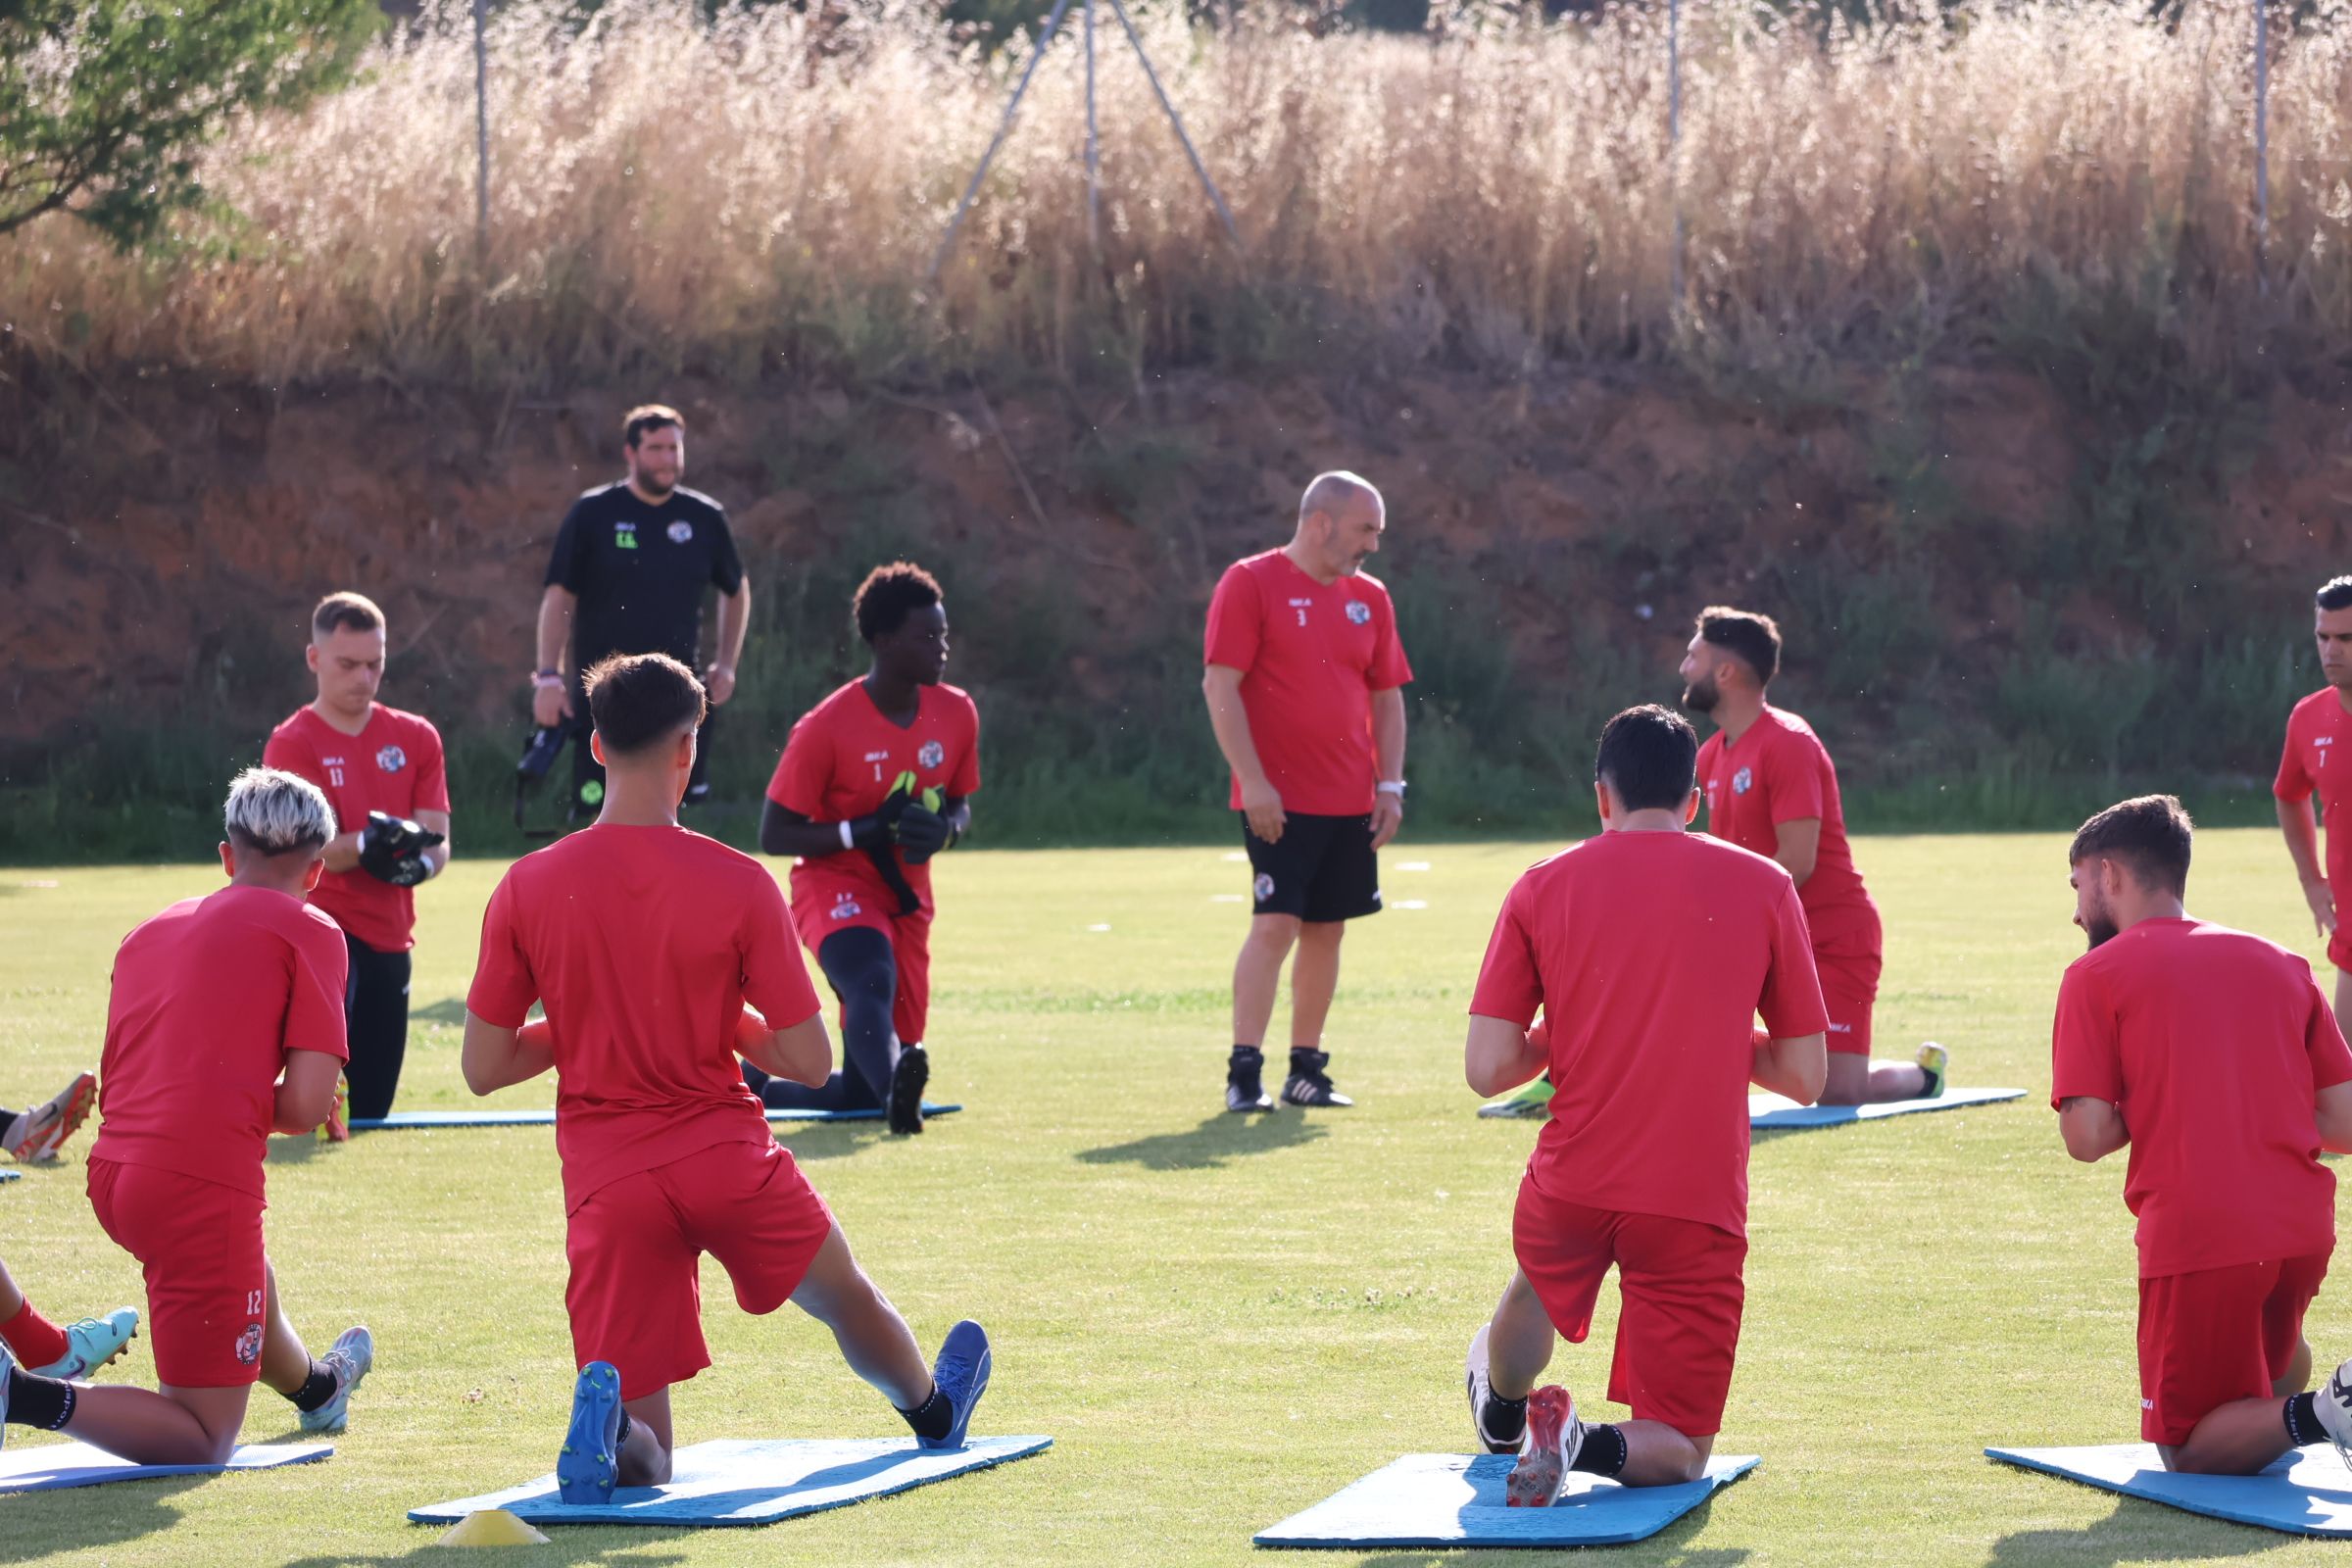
(2317, 727)
(1778, 771)
(840, 763)
(1311, 655)
(208, 997)
(2212, 1043)
(643, 943)
(1650, 956)
(394, 765)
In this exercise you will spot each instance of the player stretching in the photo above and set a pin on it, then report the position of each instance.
(1305, 694)
(2319, 724)
(34, 1137)
(645, 942)
(225, 1025)
(381, 770)
(1643, 1163)
(2213, 1056)
(876, 780)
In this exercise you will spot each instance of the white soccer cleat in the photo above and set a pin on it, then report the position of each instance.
(1474, 1376)
(353, 1353)
(35, 1137)
(2334, 1407)
(1554, 1438)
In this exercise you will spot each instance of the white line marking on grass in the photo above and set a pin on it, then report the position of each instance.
(1097, 928)
(1238, 855)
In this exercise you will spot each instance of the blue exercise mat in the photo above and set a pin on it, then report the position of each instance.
(401, 1120)
(2306, 1491)
(1771, 1110)
(735, 1482)
(51, 1465)
(1456, 1499)
(11, 1175)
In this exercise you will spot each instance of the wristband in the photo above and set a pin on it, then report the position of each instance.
(548, 677)
(1391, 786)
(722, 670)
(849, 840)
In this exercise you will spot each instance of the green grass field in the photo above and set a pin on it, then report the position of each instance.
(1218, 1319)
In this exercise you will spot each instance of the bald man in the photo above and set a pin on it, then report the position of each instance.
(1305, 693)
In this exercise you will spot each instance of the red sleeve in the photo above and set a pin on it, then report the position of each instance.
(965, 780)
(2323, 1042)
(805, 769)
(2294, 781)
(1791, 772)
(432, 772)
(1390, 670)
(289, 755)
(774, 979)
(315, 1003)
(1236, 621)
(504, 987)
(1792, 1002)
(2085, 1046)
(1509, 987)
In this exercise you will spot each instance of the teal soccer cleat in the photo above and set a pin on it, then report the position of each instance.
(91, 1343)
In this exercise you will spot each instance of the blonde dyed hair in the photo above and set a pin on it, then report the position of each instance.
(274, 812)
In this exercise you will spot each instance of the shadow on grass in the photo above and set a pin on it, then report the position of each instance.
(565, 1545)
(2138, 1530)
(449, 1011)
(44, 1524)
(295, 1150)
(1217, 1142)
(827, 1140)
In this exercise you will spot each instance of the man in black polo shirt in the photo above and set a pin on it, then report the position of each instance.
(630, 565)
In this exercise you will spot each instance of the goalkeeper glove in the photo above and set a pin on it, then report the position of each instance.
(392, 849)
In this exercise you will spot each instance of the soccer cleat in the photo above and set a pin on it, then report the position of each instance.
(1309, 1084)
(961, 1374)
(35, 1135)
(349, 1358)
(1531, 1101)
(91, 1343)
(1934, 1061)
(1474, 1374)
(1245, 1089)
(589, 1462)
(2334, 1410)
(8, 1366)
(906, 1081)
(335, 1129)
(1554, 1436)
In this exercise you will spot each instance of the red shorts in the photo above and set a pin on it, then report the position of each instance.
(635, 1246)
(1680, 1289)
(840, 908)
(2340, 945)
(199, 1245)
(2218, 1335)
(1849, 985)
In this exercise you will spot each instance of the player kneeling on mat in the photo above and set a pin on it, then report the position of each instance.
(644, 942)
(1650, 949)
(2214, 1057)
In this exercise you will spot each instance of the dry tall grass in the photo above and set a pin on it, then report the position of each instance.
(666, 192)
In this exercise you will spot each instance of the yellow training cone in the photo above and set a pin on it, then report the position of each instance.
(492, 1527)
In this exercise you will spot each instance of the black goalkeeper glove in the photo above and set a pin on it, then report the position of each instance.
(392, 849)
(922, 833)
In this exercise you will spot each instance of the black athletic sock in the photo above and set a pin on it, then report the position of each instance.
(933, 1417)
(1506, 1419)
(39, 1402)
(1603, 1452)
(1308, 1064)
(316, 1389)
(2303, 1427)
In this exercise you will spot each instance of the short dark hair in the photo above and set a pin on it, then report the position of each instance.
(1753, 637)
(1649, 757)
(640, 700)
(2335, 594)
(337, 610)
(889, 595)
(2150, 835)
(650, 417)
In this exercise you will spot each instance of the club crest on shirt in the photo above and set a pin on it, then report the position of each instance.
(680, 531)
(249, 1344)
(931, 754)
(391, 759)
(1743, 781)
(845, 908)
(1359, 612)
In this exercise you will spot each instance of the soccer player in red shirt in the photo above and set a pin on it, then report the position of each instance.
(2212, 1056)
(2320, 724)
(370, 760)
(874, 781)
(1649, 951)
(226, 1025)
(1771, 788)
(1304, 683)
(645, 943)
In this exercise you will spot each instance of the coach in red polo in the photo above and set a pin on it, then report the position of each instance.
(1304, 688)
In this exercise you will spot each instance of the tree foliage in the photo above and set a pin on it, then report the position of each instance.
(105, 104)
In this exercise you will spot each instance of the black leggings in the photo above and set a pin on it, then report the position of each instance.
(864, 971)
(376, 1013)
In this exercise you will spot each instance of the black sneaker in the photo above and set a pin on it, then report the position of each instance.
(1308, 1084)
(1244, 1089)
(906, 1081)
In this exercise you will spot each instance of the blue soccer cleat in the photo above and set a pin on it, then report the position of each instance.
(589, 1461)
(91, 1343)
(349, 1358)
(961, 1374)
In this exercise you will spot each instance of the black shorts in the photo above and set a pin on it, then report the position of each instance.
(1321, 869)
